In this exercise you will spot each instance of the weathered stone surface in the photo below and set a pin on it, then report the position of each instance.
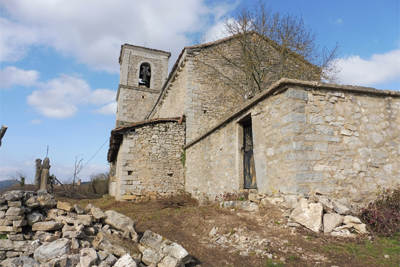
(309, 215)
(5, 222)
(53, 249)
(14, 195)
(16, 204)
(328, 207)
(32, 202)
(23, 261)
(107, 243)
(13, 211)
(47, 226)
(32, 247)
(340, 208)
(88, 257)
(19, 223)
(79, 209)
(46, 201)
(121, 222)
(64, 206)
(85, 219)
(125, 261)
(34, 217)
(74, 234)
(4, 207)
(2, 214)
(150, 256)
(351, 219)
(97, 213)
(331, 221)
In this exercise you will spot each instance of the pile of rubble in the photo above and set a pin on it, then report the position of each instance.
(317, 212)
(36, 230)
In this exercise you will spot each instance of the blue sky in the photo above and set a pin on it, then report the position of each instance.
(59, 69)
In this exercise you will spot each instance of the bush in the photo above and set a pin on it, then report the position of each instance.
(99, 183)
(383, 216)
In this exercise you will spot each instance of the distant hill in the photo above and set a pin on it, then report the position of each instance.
(6, 183)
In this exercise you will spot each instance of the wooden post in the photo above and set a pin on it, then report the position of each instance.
(2, 132)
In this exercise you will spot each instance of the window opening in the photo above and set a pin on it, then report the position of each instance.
(145, 75)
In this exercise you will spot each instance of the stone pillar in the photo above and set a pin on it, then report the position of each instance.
(79, 182)
(38, 172)
(45, 173)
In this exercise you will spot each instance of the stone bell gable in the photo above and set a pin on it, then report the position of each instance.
(143, 73)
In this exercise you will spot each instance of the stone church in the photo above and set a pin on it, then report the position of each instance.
(189, 130)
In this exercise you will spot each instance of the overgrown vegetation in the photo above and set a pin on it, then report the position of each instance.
(183, 199)
(383, 216)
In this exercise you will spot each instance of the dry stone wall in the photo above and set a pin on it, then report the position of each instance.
(150, 161)
(338, 141)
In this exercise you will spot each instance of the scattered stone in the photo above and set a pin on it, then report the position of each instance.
(125, 261)
(309, 215)
(340, 208)
(56, 248)
(88, 257)
(331, 221)
(121, 222)
(64, 206)
(47, 226)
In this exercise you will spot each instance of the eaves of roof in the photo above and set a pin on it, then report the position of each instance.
(142, 47)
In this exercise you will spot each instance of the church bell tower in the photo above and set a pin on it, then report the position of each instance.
(143, 73)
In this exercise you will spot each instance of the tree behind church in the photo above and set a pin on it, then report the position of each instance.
(272, 46)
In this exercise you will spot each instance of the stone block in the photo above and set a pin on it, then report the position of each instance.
(294, 117)
(309, 215)
(14, 204)
(331, 221)
(296, 94)
(309, 177)
(47, 226)
(14, 211)
(64, 206)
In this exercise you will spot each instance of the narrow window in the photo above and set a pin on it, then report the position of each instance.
(145, 75)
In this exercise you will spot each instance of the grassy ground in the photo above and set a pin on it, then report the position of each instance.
(180, 219)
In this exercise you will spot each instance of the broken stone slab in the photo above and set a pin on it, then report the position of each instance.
(5, 222)
(79, 209)
(328, 207)
(19, 223)
(11, 229)
(150, 256)
(64, 206)
(47, 226)
(97, 213)
(155, 248)
(331, 221)
(351, 219)
(14, 195)
(14, 211)
(32, 247)
(109, 243)
(340, 208)
(32, 202)
(308, 215)
(23, 261)
(88, 257)
(74, 234)
(16, 204)
(46, 201)
(121, 222)
(34, 217)
(125, 261)
(56, 248)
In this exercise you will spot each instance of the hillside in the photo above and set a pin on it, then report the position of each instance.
(229, 237)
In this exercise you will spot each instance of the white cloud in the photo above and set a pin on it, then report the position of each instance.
(35, 122)
(10, 76)
(93, 30)
(339, 22)
(109, 109)
(380, 68)
(59, 98)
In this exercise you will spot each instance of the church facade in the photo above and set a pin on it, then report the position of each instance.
(191, 130)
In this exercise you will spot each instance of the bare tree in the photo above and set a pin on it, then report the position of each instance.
(77, 168)
(269, 46)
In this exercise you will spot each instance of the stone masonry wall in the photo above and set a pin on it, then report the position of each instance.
(173, 103)
(335, 141)
(149, 161)
(134, 104)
